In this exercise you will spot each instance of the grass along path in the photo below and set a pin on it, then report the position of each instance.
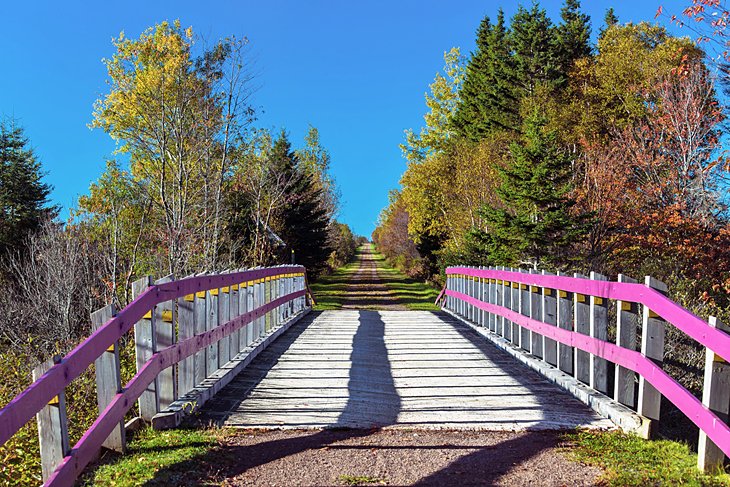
(370, 283)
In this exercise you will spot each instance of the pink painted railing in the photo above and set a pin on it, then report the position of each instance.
(478, 294)
(24, 406)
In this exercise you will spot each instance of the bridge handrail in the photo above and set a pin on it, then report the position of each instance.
(716, 340)
(25, 405)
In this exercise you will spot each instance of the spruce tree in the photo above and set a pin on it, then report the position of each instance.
(572, 36)
(535, 57)
(303, 222)
(609, 20)
(487, 101)
(535, 224)
(470, 119)
(24, 204)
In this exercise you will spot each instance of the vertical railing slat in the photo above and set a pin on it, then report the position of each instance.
(626, 324)
(581, 324)
(599, 330)
(652, 347)
(145, 344)
(716, 397)
(108, 379)
(164, 319)
(52, 425)
(549, 316)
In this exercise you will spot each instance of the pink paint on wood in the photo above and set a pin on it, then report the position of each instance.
(25, 405)
(716, 429)
(86, 448)
(694, 326)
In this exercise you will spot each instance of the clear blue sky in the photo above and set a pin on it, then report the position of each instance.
(358, 71)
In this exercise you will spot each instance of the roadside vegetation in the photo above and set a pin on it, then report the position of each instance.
(629, 460)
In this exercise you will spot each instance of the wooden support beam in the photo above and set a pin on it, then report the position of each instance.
(582, 324)
(145, 344)
(534, 294)
(716, 397)
(566, 359)
(599, 330)
(52, 425)
(186, 329)
(652, 347)
(549, 316)
(108, 379)
(627, 322)
(164, 318)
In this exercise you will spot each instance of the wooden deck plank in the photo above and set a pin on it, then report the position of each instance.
(408, 369)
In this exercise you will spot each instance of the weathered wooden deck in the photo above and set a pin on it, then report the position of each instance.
(409, 369)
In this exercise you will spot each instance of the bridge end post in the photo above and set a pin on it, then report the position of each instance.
(145, 344)
(52, 425)
(652, 347)
(108, 379)
(716, 397)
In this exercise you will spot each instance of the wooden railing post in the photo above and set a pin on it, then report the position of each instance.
(108, 379)
(652, 347)
(224, 315)
(566, 360)
(599, 330)
(716, 397)
(164, 317)
(145, 344)
(506, 303)
(582, 324)
(535, 297)
(52, 425)
(235, 338)
(211, 322)
(200, 310)
(627, 316)
(186, 329)
(516, 306)
(549, 316)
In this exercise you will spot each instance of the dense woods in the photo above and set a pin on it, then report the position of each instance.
(542, 149)
(195, 186)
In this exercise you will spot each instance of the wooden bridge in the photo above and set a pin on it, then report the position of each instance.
(510, 350)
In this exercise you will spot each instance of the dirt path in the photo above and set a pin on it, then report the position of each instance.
(367, 289)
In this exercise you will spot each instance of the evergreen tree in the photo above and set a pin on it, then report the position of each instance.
(535, 57)
(487, 98)
(470, 119)
(24, 202)
(535, 224)
(609, 20)
(573, 36)
(303, 222)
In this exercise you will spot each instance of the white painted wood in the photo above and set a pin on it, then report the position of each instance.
(392, 368)
(652, 347)
(164, 324)
(599, 330)
(523, 291)
(52, 425)
(108, 379)
(534, 294)
(716, 397)
(549, 304)
(582, 324)
(145, 344)
(565, 321)
(627, 321)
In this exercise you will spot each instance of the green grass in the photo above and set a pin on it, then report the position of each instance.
(416, 295)
(360, 480)
(156, 458)
(630, 460)
(329, 291)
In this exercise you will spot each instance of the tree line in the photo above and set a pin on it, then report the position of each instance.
(194, 186)
(544, 150)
